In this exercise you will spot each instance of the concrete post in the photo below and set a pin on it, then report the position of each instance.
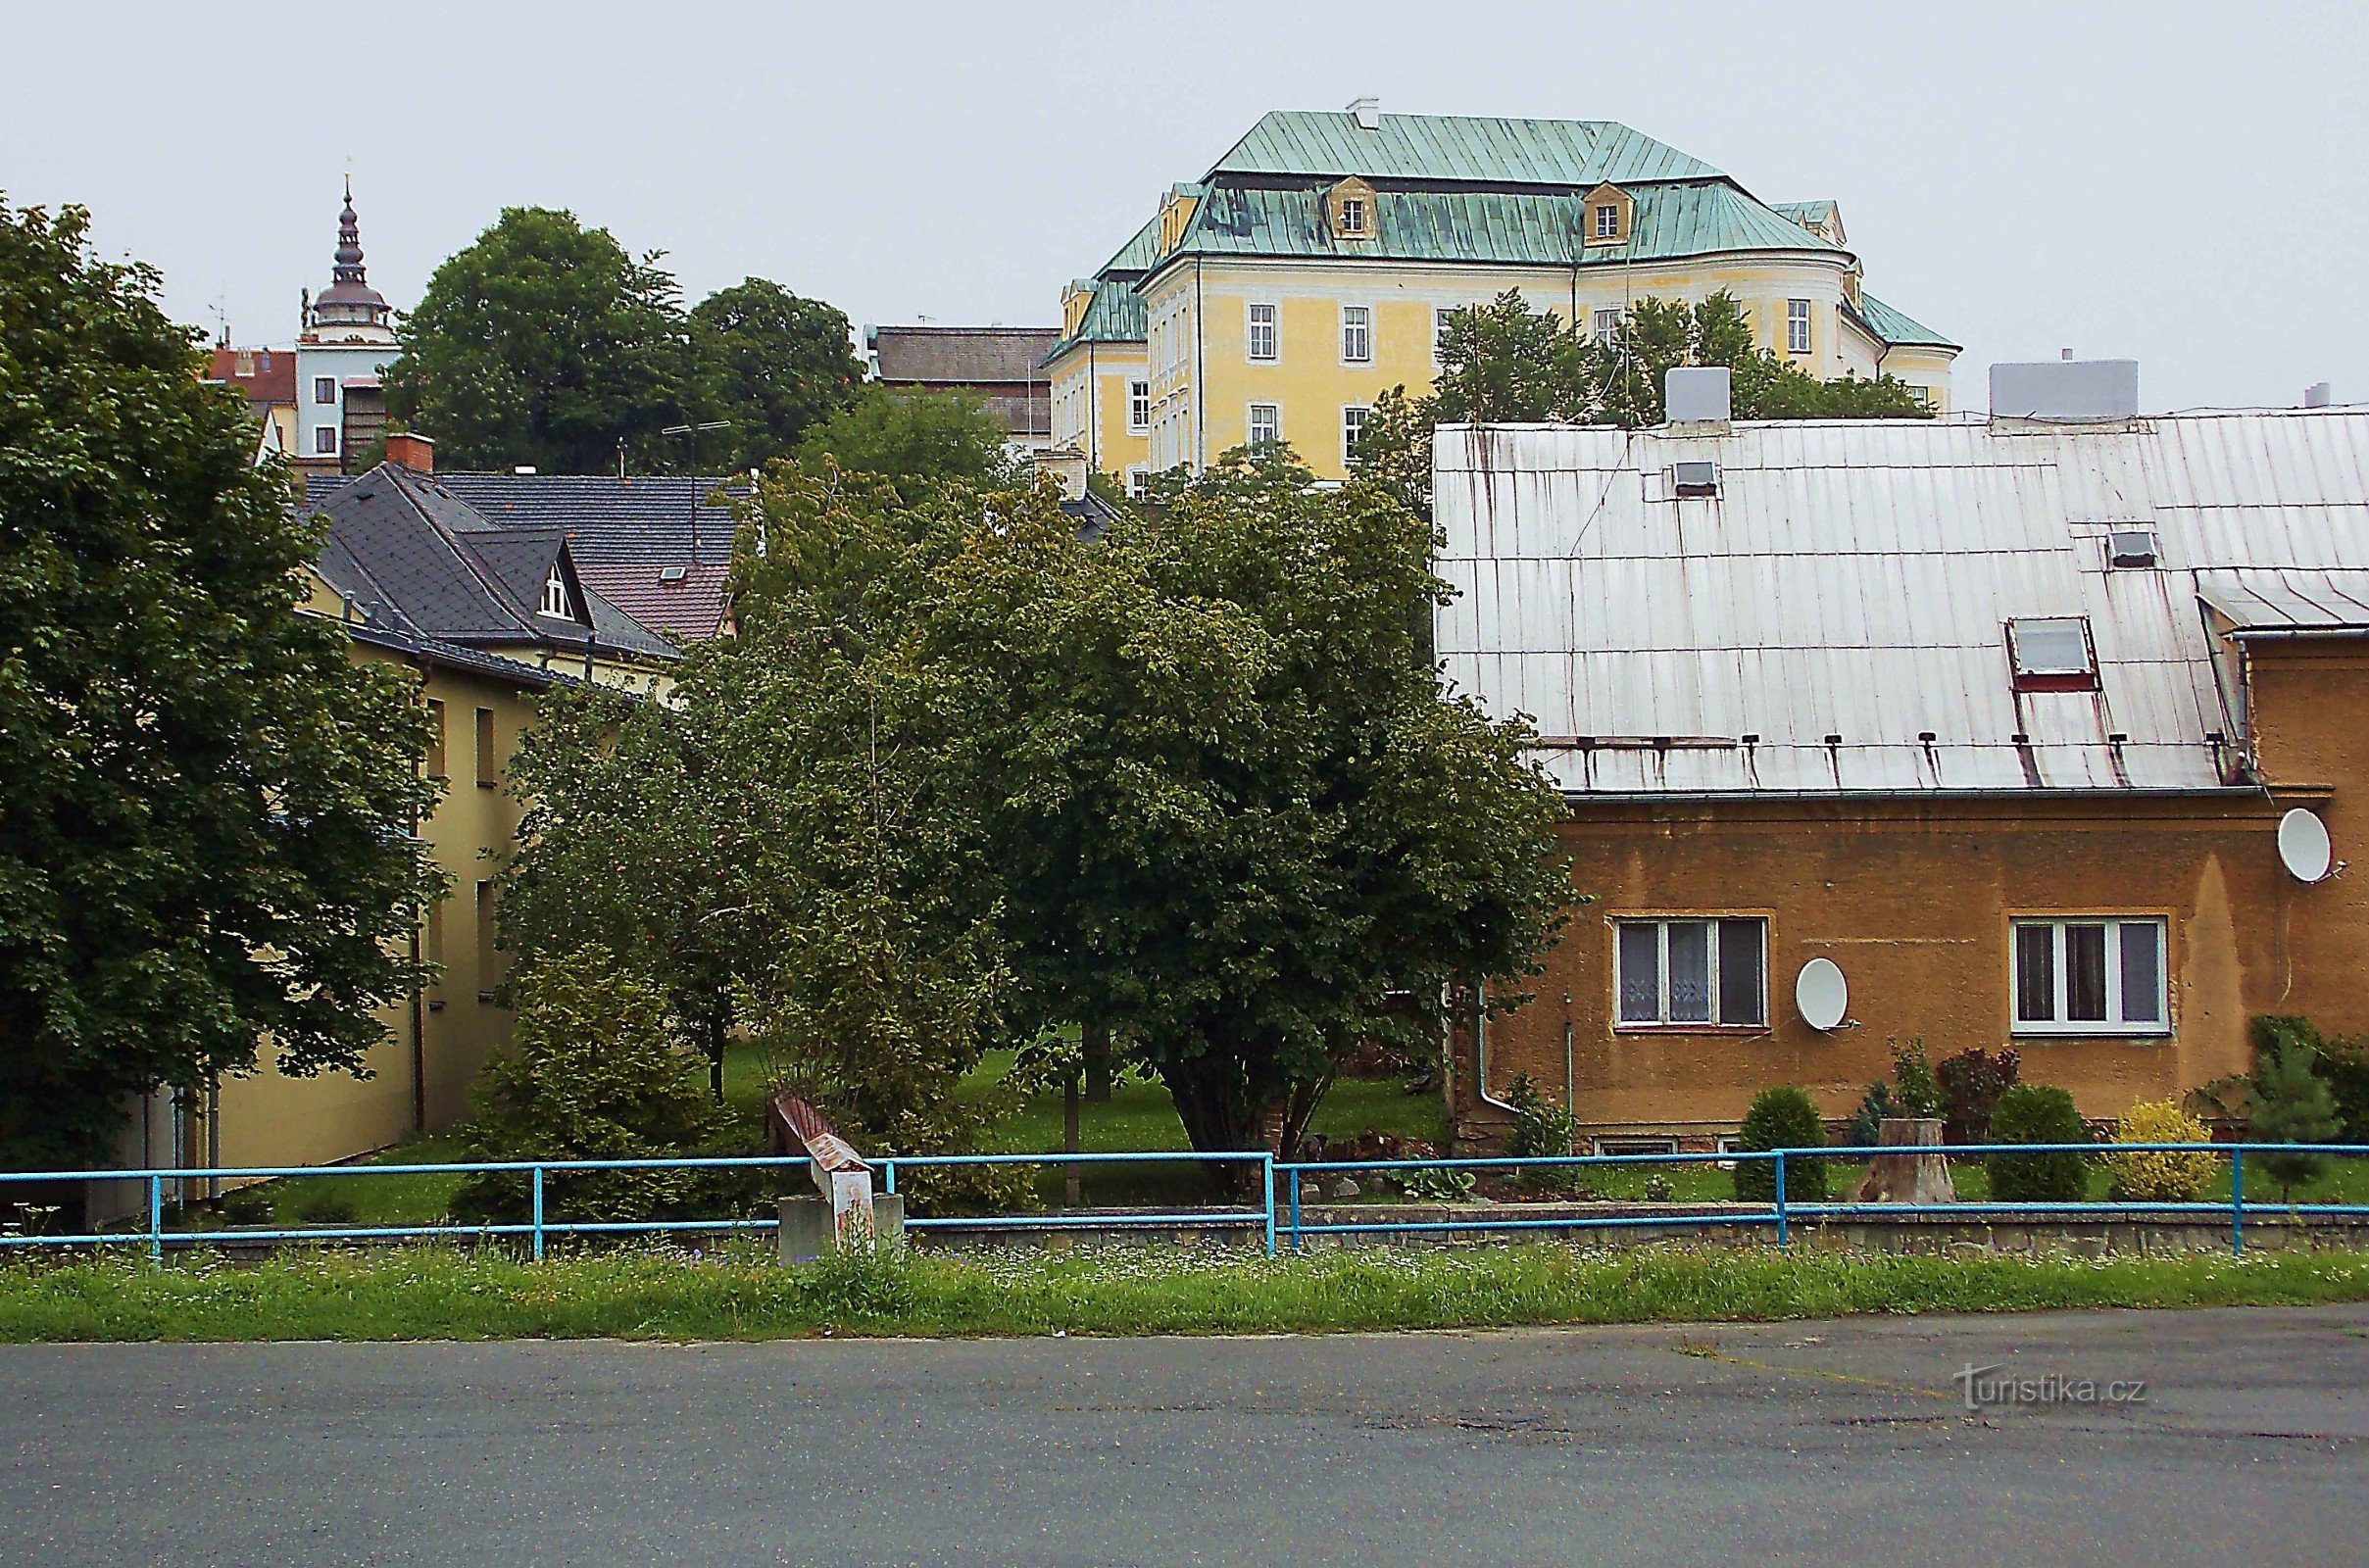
(807, 1232)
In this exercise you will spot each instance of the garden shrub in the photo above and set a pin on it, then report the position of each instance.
(1543, 1129)
(1865, 1129)
(2038, 1113)
(594, 1071)
(2292, 1102)
(2162, 1177)
(1783, 1117)
(2341, 1062)
(1971, 1083)
(1918, 1094)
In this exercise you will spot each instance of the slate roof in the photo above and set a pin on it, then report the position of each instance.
(1574, 154)
(629, 538)
(1834, 619)
(416, 559)
(452, 656)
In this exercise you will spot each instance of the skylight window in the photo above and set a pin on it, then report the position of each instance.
(2053, 654)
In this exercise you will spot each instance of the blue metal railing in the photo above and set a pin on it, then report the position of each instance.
(1278, 1215)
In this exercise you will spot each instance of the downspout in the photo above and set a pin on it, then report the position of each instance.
(214, 1134)
(419, 988)
(1570, 1085)
(1094, 414)
(1480, 1049)
(1201, 431)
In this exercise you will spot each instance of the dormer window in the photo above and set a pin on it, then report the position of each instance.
(1349, 209)
(1608, 221)
(1353, 215)
(1606, 214)
(555, 596)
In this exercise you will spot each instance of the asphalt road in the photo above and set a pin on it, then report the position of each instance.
(1828, 1443)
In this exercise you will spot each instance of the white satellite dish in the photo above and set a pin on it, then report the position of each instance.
(2304, 845)
(1821, 994)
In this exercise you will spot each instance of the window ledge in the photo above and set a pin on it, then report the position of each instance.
(2127, 1036)
(489, 783)
(1730, 1029)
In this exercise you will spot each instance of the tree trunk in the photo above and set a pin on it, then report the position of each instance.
(715, 1057)
(1094, 1040)
(1070, 1130)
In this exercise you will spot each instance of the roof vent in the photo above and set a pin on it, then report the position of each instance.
(2131, 547)
(2066, 391)
(1368, 111)
(1694, 478)
(524, 469)
(2318, 395)
(1697, 393)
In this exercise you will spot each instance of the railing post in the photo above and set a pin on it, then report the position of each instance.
(1266, 1165)
(2236, 1200)
(538, 1213)
(1295, 1209)
(156, 1216)
(888, 1176)
(1783, 1240)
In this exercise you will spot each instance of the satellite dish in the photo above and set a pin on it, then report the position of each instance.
(1821, 994)
(2304, 845)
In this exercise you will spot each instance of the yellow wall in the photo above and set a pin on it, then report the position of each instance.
(1207, 380)
(1090, 404)
(268, 1119)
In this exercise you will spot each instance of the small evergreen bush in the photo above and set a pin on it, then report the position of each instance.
(2038, 1113)
(1865, 1129)
(2162, 1177)
(2292, 1102)
(1782, 1117)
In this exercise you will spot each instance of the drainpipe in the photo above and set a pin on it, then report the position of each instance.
(419, 986)
(1480, 1049)
(1570, 1085)
(214, 1134)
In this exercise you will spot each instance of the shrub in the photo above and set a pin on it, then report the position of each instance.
(1919, 1094)
(1435, 1184)
(593, 1071)
(2342, 1064)
(2038, 1113)
(2292, 1102)
(2160, 1178)
(1542, 1129)
(1782, 1117)
(1865, 1129)
(1971, 1083)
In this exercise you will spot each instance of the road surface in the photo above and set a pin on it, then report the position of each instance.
(1825, 1443)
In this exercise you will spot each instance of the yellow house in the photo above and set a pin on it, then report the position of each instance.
(1309, 269)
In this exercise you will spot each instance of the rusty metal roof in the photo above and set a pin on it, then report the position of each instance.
(1834, 619)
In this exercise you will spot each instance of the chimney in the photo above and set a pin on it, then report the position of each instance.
(414, 452)
(1696, 394)
(1368, 111)
(1066, 465)
(2318, 395)
(2066, 391)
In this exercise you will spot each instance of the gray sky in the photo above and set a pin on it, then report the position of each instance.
(2185, 184)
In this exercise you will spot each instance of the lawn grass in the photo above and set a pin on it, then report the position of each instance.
(737, 1293)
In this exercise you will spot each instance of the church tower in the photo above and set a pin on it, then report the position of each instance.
(347, 338)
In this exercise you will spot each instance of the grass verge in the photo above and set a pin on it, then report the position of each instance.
(738, 1294)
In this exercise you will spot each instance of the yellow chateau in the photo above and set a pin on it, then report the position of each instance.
(1307, 271)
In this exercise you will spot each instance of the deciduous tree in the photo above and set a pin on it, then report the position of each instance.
(771, 363)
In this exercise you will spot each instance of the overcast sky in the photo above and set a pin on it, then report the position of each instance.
(2184, 184)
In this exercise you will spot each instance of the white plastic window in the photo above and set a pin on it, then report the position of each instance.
(1353, 433)
(1692, 971)
(1265, 423)
(1357, 334)
(2089, 976)
(1263, 336)
(1796, 326)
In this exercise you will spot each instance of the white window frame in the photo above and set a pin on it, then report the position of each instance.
(1354, 420)
(1357, 334)
(1439, 329)
(1796, 326)
(1271, 326)
(1605, 324)
(1139, 407)
(2117, 1023)
(1139, 481)
(2027, 665)
(1662, 1021)
(325, 383)
(1249, 423)
(1608, 219)
(1353, 217)
(555, 596)
(324, 440)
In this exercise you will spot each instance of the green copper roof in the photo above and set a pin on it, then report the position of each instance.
(1569, 153)
(1510, 228)
(1139, 253)
(1115, 315)
(1897, 329)
(1803, 213)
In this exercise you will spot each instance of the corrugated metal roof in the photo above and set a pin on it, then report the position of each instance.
(1499, 226)
(1575, 153)
(1854, 579)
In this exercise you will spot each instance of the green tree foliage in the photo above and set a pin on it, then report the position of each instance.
(1233, 813)
(1781, 1117)
(2292, 1102)
(772, 364)
(911, 439)
(1970, 1084)
(1504, 363)
(544, 342)
(2038, 1113)
(205, 801)
(2341, 1062)
(1919, 1094)
(592, 1071)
